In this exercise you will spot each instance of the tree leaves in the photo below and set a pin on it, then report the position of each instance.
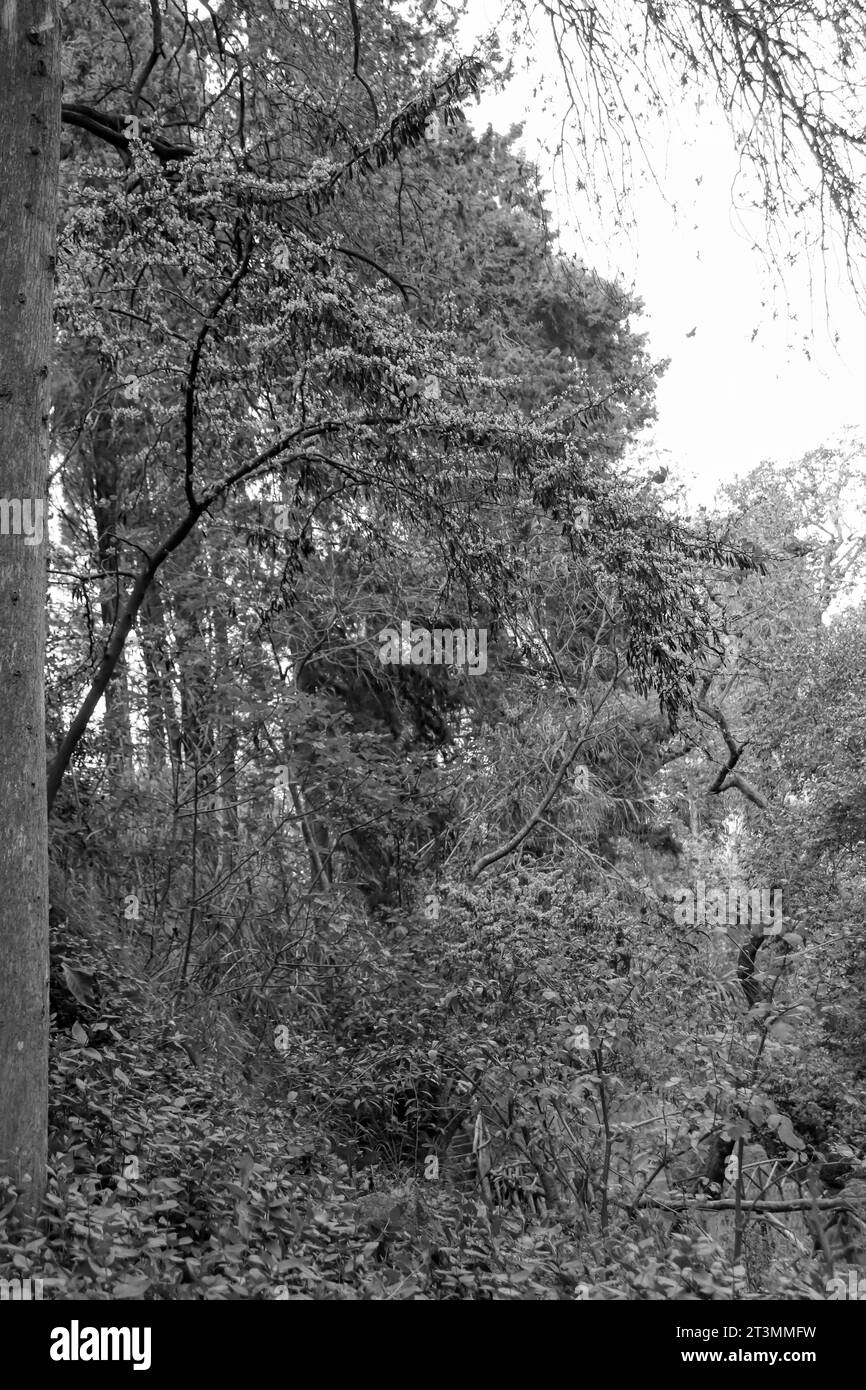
(81, 984)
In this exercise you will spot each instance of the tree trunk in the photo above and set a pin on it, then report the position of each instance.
(226, 793)
(106, 485)
(29, 163)
(164, 734)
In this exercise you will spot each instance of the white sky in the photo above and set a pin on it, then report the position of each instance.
(728, 400)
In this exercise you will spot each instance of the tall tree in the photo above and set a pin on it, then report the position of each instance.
(29, 162)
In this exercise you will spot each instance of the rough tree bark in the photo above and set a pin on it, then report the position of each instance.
(29, 162)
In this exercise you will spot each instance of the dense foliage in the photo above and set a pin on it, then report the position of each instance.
(373, 980)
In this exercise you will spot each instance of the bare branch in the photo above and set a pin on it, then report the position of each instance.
(109, 128)
(155, 52)
(368, 260)
(487, 859)
(749, 792)
(195, 360)
(356, 34)
(805, 1204)
(727, 777)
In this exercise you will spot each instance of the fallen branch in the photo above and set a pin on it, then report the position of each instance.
(806, 1204)
(487, 859)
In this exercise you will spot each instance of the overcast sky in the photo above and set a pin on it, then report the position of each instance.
(731, 396)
